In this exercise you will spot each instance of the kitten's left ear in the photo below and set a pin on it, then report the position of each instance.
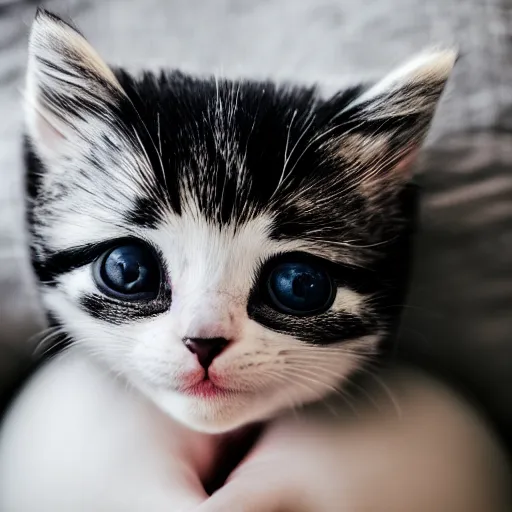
(384, 127)
(70, 92)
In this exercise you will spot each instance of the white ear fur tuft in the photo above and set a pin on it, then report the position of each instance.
(64, 72)
(51, 37)
(414, 87)
(391, 119)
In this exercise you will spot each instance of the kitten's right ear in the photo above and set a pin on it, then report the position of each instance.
(385, 126)
(70, 90)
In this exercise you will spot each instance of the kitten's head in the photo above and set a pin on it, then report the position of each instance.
(229, 248)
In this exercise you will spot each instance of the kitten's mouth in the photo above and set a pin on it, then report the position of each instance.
(207, 385)
(208, 389)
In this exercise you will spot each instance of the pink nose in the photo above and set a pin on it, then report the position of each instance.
(206, 349)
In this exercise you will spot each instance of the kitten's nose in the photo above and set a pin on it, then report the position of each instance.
(206, 349)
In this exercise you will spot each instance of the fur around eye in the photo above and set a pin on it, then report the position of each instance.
(300, 288)
(128, 272)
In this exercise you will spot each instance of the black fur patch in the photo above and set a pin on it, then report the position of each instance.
(62, 262)
(143, 214)
(118, 313)
(329, 327)
(224, 141)
(242, 149)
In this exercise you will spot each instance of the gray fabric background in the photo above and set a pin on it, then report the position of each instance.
(460, 310)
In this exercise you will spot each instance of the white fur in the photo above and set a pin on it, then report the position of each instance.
(212, 274)
(79, 440)
(429, 67)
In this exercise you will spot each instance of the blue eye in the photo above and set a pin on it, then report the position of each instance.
(129, 272)
(300, 288)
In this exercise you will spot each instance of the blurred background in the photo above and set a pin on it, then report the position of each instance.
(459, 316)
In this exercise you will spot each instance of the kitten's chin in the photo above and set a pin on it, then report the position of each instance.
(212, 414)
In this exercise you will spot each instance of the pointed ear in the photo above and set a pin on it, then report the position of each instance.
(386, 124)
(70, 91)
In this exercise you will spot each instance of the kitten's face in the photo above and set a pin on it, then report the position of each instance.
(230, 249)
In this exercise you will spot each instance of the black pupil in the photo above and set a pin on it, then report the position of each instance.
(303, 285)
(129, 270)
(299, 288)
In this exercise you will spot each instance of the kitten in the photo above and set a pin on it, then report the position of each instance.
(227, 249)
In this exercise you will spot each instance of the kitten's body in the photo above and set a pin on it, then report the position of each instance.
(79, 440)
(225, 192)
